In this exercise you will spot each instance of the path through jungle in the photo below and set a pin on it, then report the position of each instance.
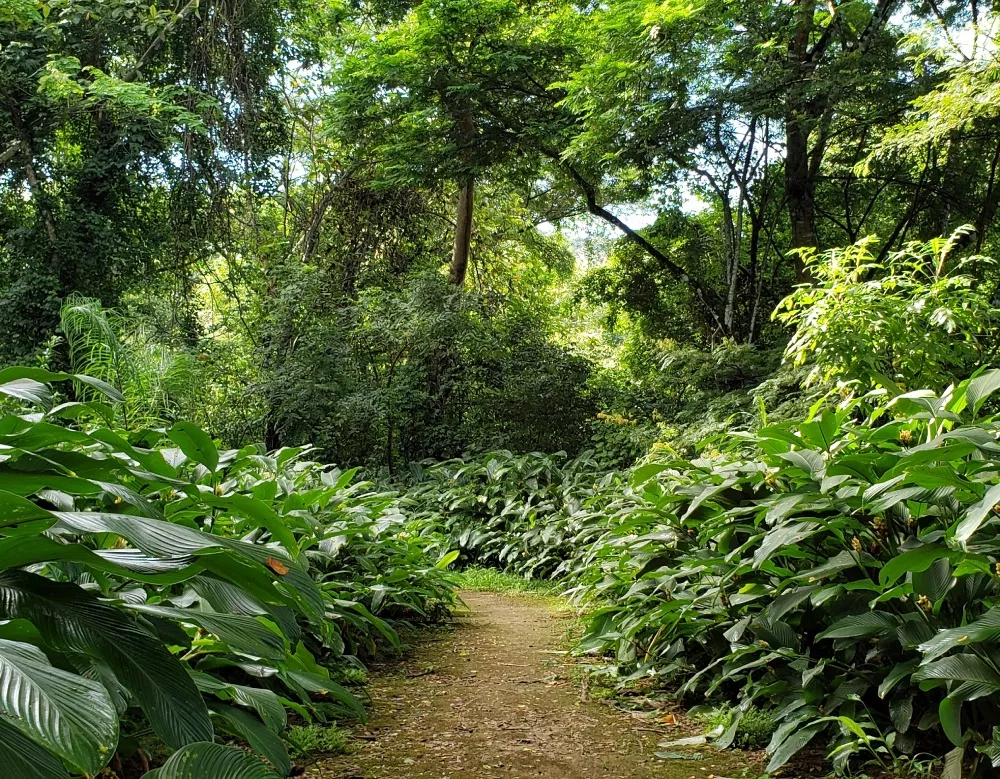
(495, 698)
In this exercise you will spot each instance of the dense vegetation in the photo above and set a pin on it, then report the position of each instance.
(157, 590)
(685, 307)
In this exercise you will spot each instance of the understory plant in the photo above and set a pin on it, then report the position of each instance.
(918, 318)
(839, 572)
(155, 587)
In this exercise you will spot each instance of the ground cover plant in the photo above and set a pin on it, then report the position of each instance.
(831, 577)
(157, 590)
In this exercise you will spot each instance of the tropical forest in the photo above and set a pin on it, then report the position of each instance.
(494, 389)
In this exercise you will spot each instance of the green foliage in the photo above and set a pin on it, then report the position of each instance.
(838, 573)
(498, 510)
(306, 740)
(916, 319)
(122, 128)
(492, 580)
(454, 88)
(754, 727)
(427, 371)
(150, 581)
(675, 398)
(963, 99)
(155, 379)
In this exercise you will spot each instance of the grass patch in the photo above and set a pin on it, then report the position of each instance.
(351, 676)
(492, 580)
(306, 740)
(754, 731)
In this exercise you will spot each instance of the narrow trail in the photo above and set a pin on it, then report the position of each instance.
(494, 699)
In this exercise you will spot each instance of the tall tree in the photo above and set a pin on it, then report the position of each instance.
(454, 91)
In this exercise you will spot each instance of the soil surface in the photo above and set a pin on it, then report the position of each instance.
(494, 698)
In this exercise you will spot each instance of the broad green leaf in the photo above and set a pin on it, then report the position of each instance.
(950, 714)
(894, 498)
(782, 536)
(20, 551)
(644, 473)
(808, 460)
(71, 620)
(28, 390)
(263, 701)
(788, 748)
(206, 760)
(167, 539)
(912, 561)
(975, 515)
(861, 625)
(953, 763)
(195, 443)
(243, 506)
(15, 509)
(992, 748)
(979, 389)
(986, 628)
(43, 375)
(241, 632)
(22, 758)
(70, 716)
(963, 668)
(230, 598)
(263, 741)
(839, 562)
(899, 672)
(935, 581)
(901, 712)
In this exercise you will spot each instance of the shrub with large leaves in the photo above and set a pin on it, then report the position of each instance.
(840, 571)
(149, 581)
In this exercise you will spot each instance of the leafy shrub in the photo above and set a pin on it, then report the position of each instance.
(619, 441)
(918, 319)
(400, 375)
(506, 510)
(839, 571)
(153, 378)
(150, 582)
(674, 398)
(754, 730)
(307, 740)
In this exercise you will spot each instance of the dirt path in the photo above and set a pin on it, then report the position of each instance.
(493, 699)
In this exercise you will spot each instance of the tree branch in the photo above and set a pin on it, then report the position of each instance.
(154, 47)
(700, 292)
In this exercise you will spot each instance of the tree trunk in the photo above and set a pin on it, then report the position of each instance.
(800, 194)
(731, 258)
(463, 231)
